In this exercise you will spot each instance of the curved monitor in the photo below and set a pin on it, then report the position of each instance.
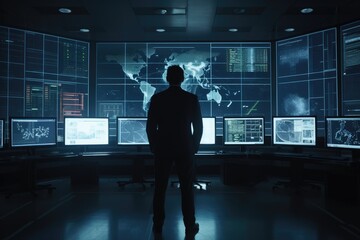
(243, 130)
(2, 133)
(297, 131)
(27, 132)
(131, 131)
(343, 132)
(86, 131)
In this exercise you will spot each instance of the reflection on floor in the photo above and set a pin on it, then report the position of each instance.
(224, 212)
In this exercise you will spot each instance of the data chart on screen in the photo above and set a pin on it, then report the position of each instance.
(26, 132)
(241, 130)
(294, 131)
(132, 131)
(86, 131)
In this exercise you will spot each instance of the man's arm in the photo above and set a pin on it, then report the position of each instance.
(197, 125)
(151, 126)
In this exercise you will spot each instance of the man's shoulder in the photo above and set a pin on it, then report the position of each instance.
(191, 95)
(188, 93)
(170, 93)
(159, 94)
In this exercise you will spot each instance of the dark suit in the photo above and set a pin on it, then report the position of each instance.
(170, 116)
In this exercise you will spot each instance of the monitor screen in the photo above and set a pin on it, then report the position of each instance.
(350, 70)
(132, 131)
(343, 132)
(209, 131)
(86, 131)
(1, 133)
(243, 130)
(229, 78)
(306, 76)
(300, 131)
(26, 132)
(49, 76)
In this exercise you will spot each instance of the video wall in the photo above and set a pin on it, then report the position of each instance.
(42, 76)
(306, 82)
(48, 76)
(229, 78)
(350, 36)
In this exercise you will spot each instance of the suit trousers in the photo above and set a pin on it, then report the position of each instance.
(184, 164)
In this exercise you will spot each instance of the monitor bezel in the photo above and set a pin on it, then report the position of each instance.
(294, 144)
(118, 133)
(339, 146)
(225, 143)
(11, 119)
(88, 144)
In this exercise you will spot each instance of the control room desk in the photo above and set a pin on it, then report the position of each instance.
(85, 170)
(340, 176)
(19, 174)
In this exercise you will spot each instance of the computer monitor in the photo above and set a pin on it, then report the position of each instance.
(1, 133)
(209, 131)
(86, 131)
(296, 131)
(343, 132)
(131, 131)
(243, 130)
(28, 132)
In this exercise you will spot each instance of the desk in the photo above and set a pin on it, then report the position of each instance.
(85, 170)
(233, 167)
(21, 176)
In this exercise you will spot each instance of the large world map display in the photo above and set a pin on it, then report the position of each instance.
(229, 78)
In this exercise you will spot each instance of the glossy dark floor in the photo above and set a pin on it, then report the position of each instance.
(223, 212)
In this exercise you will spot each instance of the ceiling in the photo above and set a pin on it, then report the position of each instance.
(183, 20)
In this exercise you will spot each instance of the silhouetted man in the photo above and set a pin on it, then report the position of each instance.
(170, 117)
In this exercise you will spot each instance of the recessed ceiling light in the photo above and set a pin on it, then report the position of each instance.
(84, 30)
(239, 10)
(306, 10)
(233, 30)
(65, 10)
(289, 29)
(160, 30)
(161, 11)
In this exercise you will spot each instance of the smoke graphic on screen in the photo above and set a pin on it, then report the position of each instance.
(294, 55)
(295, 105)
(38, 132)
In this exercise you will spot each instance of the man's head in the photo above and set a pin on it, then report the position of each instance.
(175, 75)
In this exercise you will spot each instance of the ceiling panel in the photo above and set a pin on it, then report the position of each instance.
(195, 20)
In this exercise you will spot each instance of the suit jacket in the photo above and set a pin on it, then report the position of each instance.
(170, 117)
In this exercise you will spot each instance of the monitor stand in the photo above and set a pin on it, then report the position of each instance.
(137, 170)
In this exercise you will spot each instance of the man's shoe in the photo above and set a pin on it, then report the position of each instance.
(192, 231)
